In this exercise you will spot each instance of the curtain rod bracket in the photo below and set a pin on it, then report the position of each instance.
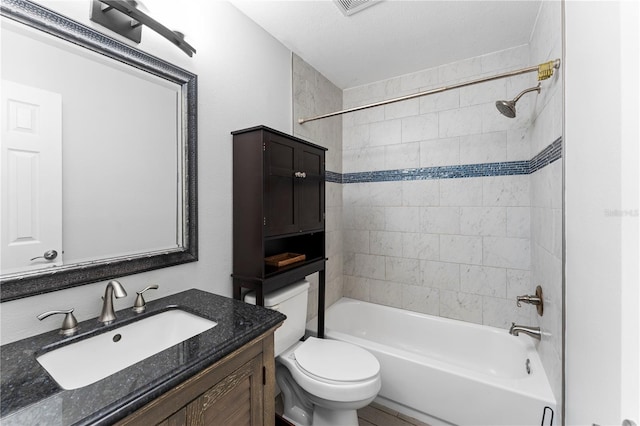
(128, 23)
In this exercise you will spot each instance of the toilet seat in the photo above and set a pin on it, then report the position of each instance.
(334, 361)
(310, 377)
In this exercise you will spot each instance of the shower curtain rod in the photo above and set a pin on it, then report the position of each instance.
(545, 71)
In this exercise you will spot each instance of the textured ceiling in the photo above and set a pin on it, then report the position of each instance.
(392, 37)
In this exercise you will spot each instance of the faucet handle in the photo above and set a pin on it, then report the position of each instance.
(536, 300)
(140, 305)
(69, 323)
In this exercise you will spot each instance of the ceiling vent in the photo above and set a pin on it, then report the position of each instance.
(349, 7)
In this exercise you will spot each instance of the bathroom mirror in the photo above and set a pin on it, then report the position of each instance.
(116, 195)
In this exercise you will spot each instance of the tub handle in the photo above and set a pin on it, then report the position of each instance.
(536, 300)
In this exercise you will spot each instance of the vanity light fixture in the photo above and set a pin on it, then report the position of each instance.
(124, 18)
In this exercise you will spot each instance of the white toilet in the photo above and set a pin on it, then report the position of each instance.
(323, 382)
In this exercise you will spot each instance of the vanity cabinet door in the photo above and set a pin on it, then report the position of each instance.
(237, 390)
(178, 419)
(236, 400)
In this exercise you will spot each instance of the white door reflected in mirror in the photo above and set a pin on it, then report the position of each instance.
(118, 163)
(31, 164)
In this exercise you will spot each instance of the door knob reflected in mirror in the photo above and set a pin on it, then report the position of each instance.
(48, 255)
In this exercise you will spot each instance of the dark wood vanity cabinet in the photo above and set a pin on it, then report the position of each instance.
(237, 390)
(278, 207)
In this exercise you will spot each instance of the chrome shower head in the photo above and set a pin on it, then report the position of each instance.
(508, 108)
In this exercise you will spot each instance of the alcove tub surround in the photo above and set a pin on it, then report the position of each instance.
(451, 209)
(30, 396)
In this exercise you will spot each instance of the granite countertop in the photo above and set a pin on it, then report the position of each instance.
(28, 395)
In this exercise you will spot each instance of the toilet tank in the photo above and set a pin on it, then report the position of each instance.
(291, 301)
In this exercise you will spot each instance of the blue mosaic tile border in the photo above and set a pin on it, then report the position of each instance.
(333, 177)
(510, 168)
(547, 156)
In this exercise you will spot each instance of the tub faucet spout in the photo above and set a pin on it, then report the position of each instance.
(531, 331)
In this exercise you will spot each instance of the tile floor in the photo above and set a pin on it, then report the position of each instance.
(377, 415)
(374, 415)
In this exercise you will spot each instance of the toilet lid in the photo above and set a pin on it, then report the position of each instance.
(334, 360)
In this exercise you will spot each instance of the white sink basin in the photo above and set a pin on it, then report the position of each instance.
(87, 361)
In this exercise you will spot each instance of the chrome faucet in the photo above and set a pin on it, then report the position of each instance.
(107, 316)
(531, 331)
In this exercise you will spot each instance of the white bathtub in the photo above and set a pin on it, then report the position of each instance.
(444, 371)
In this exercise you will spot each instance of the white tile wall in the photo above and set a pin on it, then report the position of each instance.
(419, 128)
(460, 121)
(507, 252)
(546, 196)
(428, 236)
(421, 299)
(402, 219)
(440, 220)
(461, 306)
(420, 193)
(369, 266)
(440, 275)
(461, 192)
(385, 243)
(440, 102)
(484, 280)
(509, 191)
(420, 246)
(483, 221)
(313, 94)
(485, 148)
(458, 248)
(440, 152)
(461, 249)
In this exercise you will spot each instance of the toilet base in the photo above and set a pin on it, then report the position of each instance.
(304, 409)
(330, 417)
(297, 408)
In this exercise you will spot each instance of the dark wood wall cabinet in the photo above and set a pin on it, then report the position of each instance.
(278, 209)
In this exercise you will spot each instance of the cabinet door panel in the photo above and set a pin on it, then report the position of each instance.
(236, 400)
(311, 190)
(178, 419)
(280, 194)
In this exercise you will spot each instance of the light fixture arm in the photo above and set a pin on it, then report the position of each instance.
(140, 18)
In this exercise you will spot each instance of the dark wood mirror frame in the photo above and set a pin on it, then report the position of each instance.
(38, 282)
